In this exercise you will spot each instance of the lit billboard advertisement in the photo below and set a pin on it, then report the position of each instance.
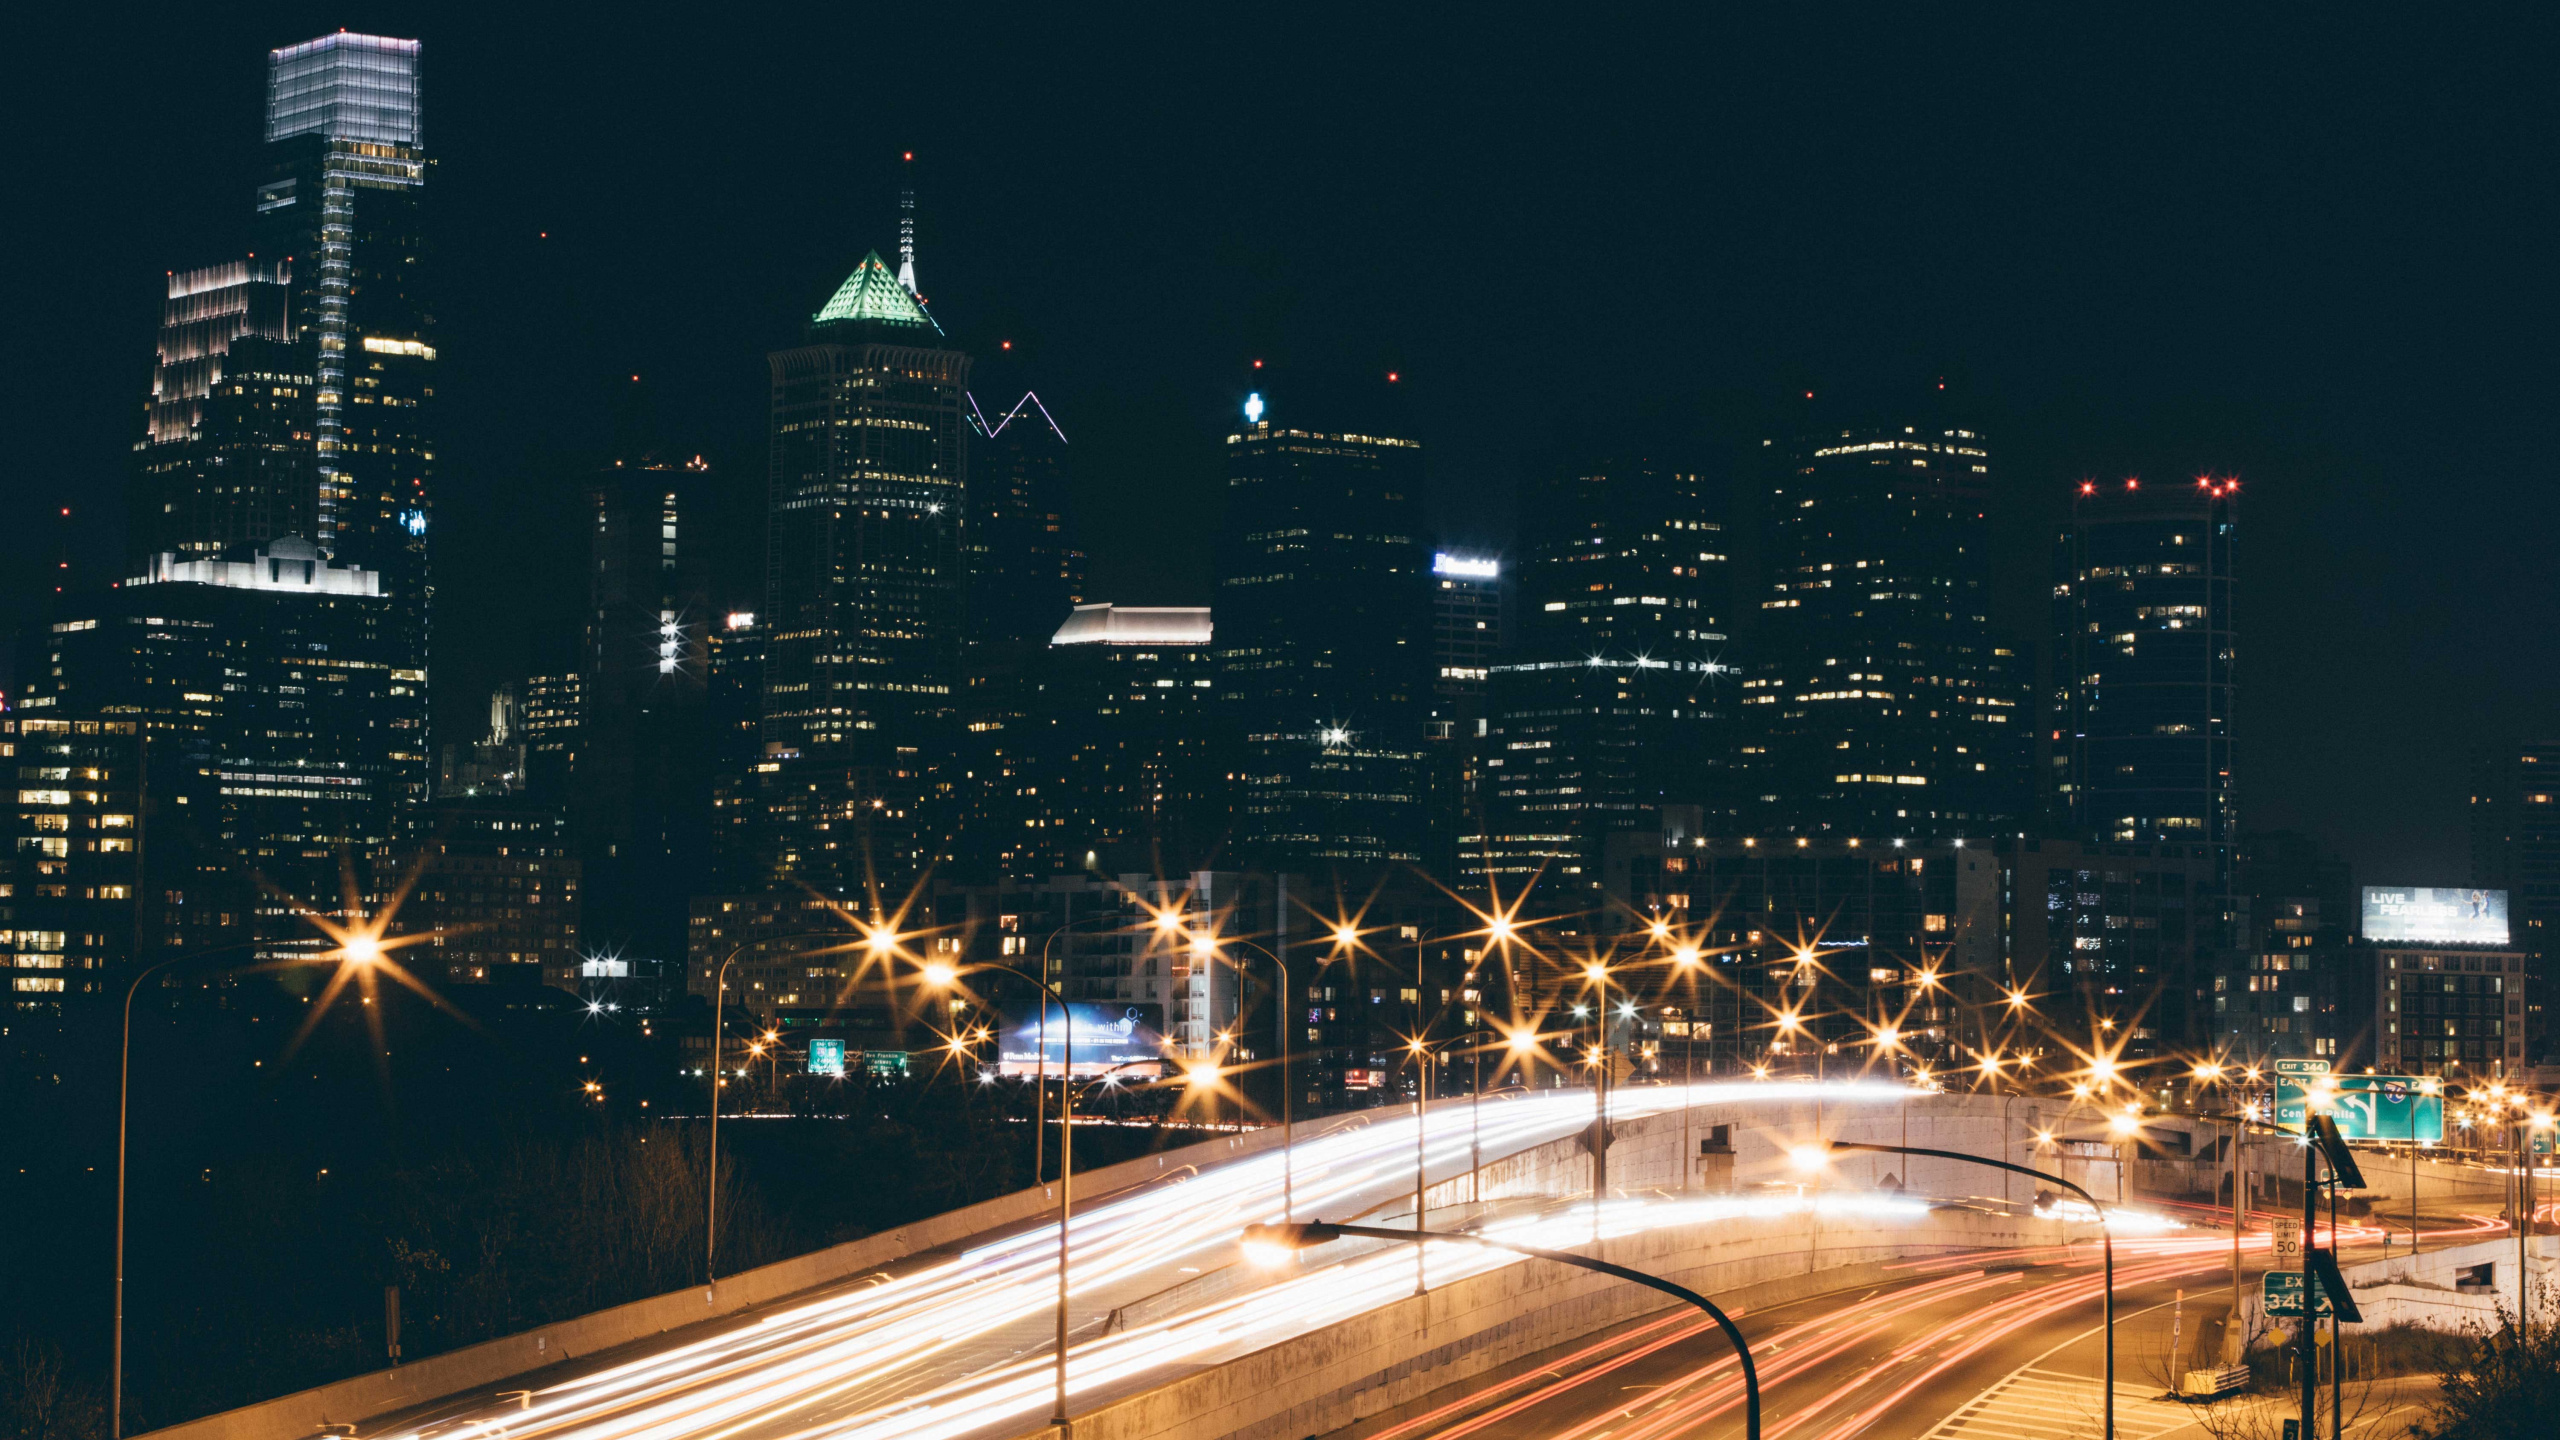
(1108, 1036)
(2419, 915)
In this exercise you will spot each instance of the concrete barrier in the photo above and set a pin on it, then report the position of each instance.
(360, 1398)
(2429, 1291)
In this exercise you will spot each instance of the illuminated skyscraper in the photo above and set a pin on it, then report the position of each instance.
(1607, 707)
(1324, 644)
(343, 205)
(2144, 651)
(1884, 706)
(1467, 632)
(226, 454)
(867, 591)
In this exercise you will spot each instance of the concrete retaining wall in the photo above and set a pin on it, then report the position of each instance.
(1399, 1353)
(2423, 1292)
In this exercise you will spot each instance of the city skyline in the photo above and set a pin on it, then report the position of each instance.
(1228, 274)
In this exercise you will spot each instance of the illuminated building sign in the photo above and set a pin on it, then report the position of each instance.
(2424, 916)
(1465, 567)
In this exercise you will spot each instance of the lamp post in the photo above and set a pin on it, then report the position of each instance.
(2106, 1238)
(355, 950)
(941, 976)
(1288, 1081)
(879, 941)
(1274, 1242)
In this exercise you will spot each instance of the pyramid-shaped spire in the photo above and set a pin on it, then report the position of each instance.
(872, 294)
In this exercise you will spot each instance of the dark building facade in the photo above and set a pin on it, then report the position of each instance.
(866, 592)
(1469, 624)
(344, 204)
(2121, 943)
(2515, 847)
(1884, 705)
(1122, 777)
(276, 680)
(2144, 659)
(1607, 707)
(494, 883)
(1324, 646)
(640, 790)
(226, 456)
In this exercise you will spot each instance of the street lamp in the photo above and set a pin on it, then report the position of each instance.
(1288, 1082)
(2106, 1238)
(1273, 1244)
(942, 975)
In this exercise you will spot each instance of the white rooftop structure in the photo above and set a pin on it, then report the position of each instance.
(287, 562)
(1135, 625)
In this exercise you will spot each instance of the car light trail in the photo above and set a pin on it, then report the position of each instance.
(959, 1343)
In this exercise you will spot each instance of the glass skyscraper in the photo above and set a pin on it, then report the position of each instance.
(1882, 704)
(343, 204)
(226, 455)
(866, 592)
(1324, 645)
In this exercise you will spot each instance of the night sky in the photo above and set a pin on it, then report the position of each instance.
(2314, 252)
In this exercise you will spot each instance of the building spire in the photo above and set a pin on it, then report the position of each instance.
(907, 227)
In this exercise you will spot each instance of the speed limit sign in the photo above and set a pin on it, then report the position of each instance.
(2288, 1252)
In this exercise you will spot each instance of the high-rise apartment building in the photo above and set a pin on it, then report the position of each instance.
(494, 883)
(1324, 645)
(226, 455)
(1884, 705)
(554, 721)
(2144, 660)
(1608, 706)
(866, 593)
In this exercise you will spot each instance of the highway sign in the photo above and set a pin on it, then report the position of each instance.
(2288, 1237)
(2387, 1107)
(2302, 1067)
(2289, 1102)
(826, 1057)
(2282, 1292)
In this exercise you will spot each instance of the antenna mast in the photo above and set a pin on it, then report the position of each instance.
(907, 227)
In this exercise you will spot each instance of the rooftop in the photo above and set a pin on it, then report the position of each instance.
(1135, 625)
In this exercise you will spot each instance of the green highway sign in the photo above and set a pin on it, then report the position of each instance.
(2282, 1292)
(2387, 1107)
(2302, 1067)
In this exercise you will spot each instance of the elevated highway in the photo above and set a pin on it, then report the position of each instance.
(944, 1330)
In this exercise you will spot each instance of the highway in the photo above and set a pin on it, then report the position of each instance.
(959, 1346)
(2001, 1346)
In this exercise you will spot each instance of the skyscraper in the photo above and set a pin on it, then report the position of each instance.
(640, 791)
(1119, 745)
(1324, 644)
(1884, 704)
(343, 204)
(226, 455)
(1468, 627)
(1608, 707)
(2144, 653)
(866, 593)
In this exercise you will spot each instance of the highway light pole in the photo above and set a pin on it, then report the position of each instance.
(942, 975)
(2106, 1238)
(1271, 1244)
(879, 941)
(1288, 1081)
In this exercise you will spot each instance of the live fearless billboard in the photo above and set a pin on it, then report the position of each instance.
(2424, 915)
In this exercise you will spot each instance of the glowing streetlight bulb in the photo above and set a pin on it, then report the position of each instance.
(1203, 946)
(1168, 920)
(1595, 972)
(940, 974)
(1661, 929)
(1888, 1037)
(2208, 1071)
(1499, 927)
(1522, 1041)
(880, 941)
(1811, 1159)
(1685, 957)
(362, 950)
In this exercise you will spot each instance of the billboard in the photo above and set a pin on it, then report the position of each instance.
(1108, 1035)
(2421, 915)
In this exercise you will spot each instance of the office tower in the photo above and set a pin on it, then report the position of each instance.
(640, 794)
(226, 454)
(494, 882)
(1121, 773)
(1467, 630)
(866, 591)
(733, 706)
(1324, 645)
(276, 679)
(73, 892)
(343, 204)
(2143, 661)
(1884, 705)
(555, 709)
(1609, 706)
(1025, 574)
(2515, 847)
(2128, 941)
(1025, 570)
